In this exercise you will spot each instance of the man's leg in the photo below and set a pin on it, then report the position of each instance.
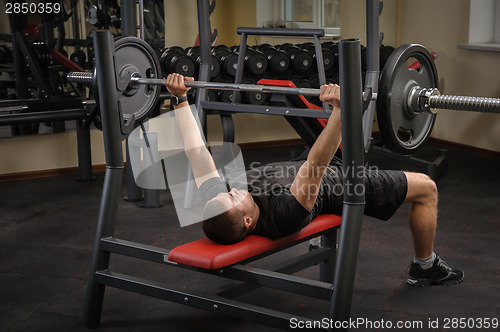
(423, 198)
(427, 268)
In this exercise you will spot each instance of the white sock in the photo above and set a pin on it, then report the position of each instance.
(315, 241)
(425, 263)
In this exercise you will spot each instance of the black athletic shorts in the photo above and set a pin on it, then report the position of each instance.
(385, 191)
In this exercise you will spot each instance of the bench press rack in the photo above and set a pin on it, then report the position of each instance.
(339, 269)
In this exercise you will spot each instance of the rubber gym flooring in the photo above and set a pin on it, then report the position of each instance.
(47, 229)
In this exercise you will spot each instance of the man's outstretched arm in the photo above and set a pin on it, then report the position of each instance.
(202, 163)
(305, 187)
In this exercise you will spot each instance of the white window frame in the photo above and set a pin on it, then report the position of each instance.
(302, 25)
(274, 11)
(484, 26)
(497, 23)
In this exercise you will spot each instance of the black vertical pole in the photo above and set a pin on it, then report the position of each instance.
(106, 80)
(354, 199)
(372, 65)
(128, 17)
(128, 13)
(205, 37)
(17, 23)
(84, 152)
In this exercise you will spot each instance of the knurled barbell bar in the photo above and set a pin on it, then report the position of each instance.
(419, 99)
(406, 96)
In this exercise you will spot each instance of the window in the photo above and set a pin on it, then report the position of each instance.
(497, 23)
(322, 14)
(484, 26)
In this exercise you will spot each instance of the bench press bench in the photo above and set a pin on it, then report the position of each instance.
(206, 254)
(229, 262)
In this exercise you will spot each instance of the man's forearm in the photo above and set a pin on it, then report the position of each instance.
(188, 127)
(327, 142)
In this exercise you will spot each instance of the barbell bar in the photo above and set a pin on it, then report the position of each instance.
(136, 81)
(419, 99)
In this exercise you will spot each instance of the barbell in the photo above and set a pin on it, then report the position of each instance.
(407, 97)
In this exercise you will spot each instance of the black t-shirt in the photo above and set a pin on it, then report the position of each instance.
(280, 213)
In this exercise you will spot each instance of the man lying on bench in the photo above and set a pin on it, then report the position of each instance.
(282, 198)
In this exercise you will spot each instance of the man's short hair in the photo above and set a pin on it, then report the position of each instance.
(224, 228)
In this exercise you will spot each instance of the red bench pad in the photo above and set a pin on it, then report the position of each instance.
(207, 254)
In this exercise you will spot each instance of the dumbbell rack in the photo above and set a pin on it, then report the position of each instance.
(235, 107)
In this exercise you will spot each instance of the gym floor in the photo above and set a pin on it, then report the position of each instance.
(47, 230)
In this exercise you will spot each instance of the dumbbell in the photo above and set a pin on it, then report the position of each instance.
(255, 62)
(278, 61)
(262, 47)
(300, 59)
(175, 60)
(328, 56)
(236, 48)
(194, 53)
(210, 95)
(300, 82)
(78, 57)
(254, 98)
(226, 96)
(227, 59)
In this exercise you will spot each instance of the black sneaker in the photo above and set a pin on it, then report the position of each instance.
(313, 247)
(439, 274)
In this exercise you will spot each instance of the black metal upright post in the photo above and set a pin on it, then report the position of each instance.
(354, 189)
(106, 80)
(84, 152)
(372, 66)
(17, 23)
(128, 13)
(128, 17)
(205, 37)
(205, 33)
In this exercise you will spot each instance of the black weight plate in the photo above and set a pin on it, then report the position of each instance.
(229, 64)
(78, 57)
(402, 130)
(165, 59)
(302, 61)
(328, 59)
(215, 67)
(278, 61)
(255, 63)
(226, 96)
(182, 64)
(134, 54)
(254, 98)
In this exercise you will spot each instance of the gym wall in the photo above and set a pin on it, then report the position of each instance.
(463, 72)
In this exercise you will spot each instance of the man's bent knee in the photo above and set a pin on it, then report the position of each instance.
(421, 187)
